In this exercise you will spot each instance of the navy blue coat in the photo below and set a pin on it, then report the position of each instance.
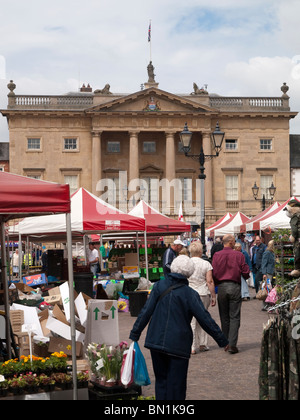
(170, 319)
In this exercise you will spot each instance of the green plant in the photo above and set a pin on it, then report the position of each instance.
(106, 361)
(17, 382)
(3, 382)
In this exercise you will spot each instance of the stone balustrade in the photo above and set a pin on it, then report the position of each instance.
(222, 103)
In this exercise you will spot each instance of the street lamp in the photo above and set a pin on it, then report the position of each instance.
(217, 137)
(255, 190)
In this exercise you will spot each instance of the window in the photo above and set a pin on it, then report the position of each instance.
(113, 191)
(187, 189)
(33, 144)
(150, 191)
(265, 144)
(149, 147)
(34, 176)
(231, 144)
(72, 180)
(1, 168)
(265, 184)
(70, 144)
(113, 147)
(232, 193)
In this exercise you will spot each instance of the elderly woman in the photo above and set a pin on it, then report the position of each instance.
(170, 309)
(202, 282)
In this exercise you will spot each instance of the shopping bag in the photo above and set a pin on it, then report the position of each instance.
(141, 376)
(127, 369)
(272, 296)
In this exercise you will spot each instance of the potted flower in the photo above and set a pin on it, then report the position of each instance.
(46, 382)
(3, 386)
(62, 380)
(82, 379)
(105, 363)
(58, 361)
(32, 382)
(17, 385)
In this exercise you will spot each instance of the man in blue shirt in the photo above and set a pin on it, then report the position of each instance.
(170, 255)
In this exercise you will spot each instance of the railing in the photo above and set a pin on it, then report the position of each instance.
(80, 101)
(244, 104)
(32, 101)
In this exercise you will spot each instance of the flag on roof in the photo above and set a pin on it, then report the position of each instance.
(149, 33)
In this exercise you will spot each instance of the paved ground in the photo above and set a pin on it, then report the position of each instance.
(216, 375)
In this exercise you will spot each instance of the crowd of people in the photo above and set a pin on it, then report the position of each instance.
(177, 310)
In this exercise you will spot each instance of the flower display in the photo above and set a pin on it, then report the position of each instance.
(106, 362)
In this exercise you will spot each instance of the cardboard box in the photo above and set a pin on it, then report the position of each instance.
(35, 280)
(102, 325)
(131, 259)
(61, 344)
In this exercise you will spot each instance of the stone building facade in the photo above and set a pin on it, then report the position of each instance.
(104, 141)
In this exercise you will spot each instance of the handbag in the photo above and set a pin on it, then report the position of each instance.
(262, 294)
(141, 376)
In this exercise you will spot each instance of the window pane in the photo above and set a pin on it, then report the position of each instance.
(266, 144)
(70, 144)
(33, 144)
(113, 147)
(149, 147)
(265, 184)
(72, 180)
(232, 188)
(231, 144)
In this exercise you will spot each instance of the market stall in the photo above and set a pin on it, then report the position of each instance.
(219, 222)
(248, 226)
(158, 223)
(228, 227)
(22, 197)
(277, 219)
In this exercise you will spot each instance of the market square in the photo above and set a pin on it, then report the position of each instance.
(150, 203)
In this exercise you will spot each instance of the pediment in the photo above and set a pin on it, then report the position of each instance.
(151, 101)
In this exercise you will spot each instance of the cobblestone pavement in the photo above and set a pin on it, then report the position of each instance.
(216, 375)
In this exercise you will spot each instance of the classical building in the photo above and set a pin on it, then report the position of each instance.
(103, 141)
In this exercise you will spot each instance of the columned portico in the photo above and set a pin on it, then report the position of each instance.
(134, 172)
(96, 160)
(170, 156)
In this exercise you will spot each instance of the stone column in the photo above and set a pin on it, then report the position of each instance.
(96, 161)
(134, 168)
(206, 139)
(170, 169)
(170, 156)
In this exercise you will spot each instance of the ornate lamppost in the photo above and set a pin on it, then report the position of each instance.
(255, 190)
(217, 137)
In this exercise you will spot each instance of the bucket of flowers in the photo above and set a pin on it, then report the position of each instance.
(105, 363)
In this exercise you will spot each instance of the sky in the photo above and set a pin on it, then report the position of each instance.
(235, 47)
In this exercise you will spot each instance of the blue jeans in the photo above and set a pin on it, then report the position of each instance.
(170, 376)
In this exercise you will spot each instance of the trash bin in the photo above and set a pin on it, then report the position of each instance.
(84, 283)
(136, 302)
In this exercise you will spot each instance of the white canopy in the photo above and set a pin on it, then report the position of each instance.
(229, 226)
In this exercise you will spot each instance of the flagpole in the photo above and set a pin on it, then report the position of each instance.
(150, 39)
